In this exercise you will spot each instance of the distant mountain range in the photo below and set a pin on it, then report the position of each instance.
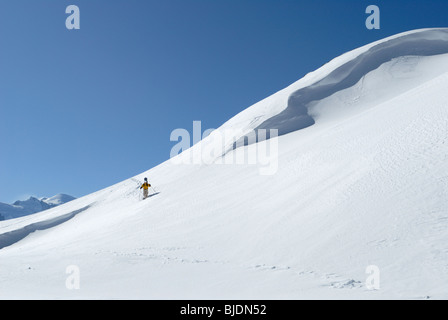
(32, 205)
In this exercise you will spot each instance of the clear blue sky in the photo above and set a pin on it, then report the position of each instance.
(83, 109)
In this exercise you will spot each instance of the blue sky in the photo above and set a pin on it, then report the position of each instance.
(83, 109)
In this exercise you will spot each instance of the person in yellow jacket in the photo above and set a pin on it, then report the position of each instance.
(145, 186)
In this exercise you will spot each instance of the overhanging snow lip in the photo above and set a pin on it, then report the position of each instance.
(9, 238)
(422, 42)
(295, 117)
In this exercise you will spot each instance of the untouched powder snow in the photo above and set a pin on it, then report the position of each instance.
(361, 181)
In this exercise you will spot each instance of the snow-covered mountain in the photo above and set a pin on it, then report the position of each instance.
(58, 199)
(354, 206)
(32, 205)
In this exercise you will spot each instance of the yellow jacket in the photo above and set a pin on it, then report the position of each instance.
(145, 186)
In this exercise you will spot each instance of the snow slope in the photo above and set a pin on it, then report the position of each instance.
(362, 183)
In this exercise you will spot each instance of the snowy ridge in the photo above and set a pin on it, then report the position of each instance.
(364, 185)
(289, 109)
(296, 115)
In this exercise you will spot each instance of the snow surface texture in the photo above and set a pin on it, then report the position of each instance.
(32, 205)
(364, 185)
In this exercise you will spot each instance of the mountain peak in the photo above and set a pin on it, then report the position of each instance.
(59, 199)
(32, 205)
